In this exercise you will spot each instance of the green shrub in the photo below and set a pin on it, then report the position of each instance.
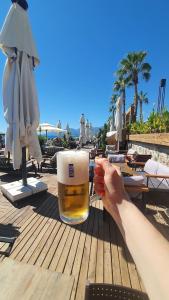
(102, 137)
(42, 140)
(156, 123)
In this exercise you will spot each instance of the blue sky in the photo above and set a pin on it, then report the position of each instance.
(81, 43)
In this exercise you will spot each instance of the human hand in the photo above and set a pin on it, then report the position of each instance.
(109, 185)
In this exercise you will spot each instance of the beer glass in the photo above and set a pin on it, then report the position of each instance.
(73, 185)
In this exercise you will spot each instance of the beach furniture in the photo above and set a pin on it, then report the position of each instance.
(7, 166)
(49, 163)
(156, 175)
(51, 150)
(8, 235)
(99, 291)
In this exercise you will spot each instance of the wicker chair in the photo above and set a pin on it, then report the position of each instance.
(49, 163)
(97, 291)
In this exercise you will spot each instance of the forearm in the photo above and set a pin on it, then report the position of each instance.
(148, 248)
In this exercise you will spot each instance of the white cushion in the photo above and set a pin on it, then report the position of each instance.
(131, 152)
(163, 170)
(151, 167)
(133, 180)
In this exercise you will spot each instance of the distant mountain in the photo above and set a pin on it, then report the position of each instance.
(76, 132)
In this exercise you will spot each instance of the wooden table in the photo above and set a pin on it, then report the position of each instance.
(20, 281)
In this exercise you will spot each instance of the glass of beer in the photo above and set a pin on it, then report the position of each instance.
(73, 185)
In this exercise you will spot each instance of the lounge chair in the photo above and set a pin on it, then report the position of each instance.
(49, 163)
(7, 166)
(100, 291)
(51, 150)
(8, 235)
(156, 176)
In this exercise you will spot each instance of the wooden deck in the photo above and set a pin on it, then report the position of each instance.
(93, 251)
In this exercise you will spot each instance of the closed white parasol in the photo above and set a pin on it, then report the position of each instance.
(20, 101)
(19, 93)
(119, 119)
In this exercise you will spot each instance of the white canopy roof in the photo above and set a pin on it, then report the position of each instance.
(49, 128)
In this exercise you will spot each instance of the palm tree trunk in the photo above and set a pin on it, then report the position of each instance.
(135, 102)
(124, 108)
(141, 111)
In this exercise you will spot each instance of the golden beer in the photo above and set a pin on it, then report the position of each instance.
(73, 200)
(73, 186)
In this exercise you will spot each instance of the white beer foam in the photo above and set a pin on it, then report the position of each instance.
(79, 171)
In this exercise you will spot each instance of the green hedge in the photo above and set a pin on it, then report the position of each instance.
(156, 123)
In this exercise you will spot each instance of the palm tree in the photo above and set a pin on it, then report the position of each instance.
(142, 99)
(112, 108)
(132, 67)
(120, 86)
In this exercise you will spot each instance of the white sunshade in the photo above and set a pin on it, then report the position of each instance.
(119, 119)
(20, 101)
(50, 128)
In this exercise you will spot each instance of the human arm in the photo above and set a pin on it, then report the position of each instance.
(147, 246)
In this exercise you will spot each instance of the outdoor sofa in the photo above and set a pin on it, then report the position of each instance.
(156, 175)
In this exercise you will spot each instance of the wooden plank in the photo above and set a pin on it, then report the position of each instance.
(84, 272)
(153, 138)
(33, 234)
(134, 279)
(39, 257)
(93, 251)
(122, 259)
(17, 219)
(36, 238)
(21, 281)
(7, 214)
(47, 261)
(107, 252)
(78, 258)
(59, 249)
(100, 252)
(62, 261)
(73, 250)
(28, 229)
(115, 254)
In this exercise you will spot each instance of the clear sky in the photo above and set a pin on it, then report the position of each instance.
(81, 43)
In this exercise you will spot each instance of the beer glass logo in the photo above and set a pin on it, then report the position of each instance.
(71, 170)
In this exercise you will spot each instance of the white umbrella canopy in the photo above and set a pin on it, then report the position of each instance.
(20, 101)
(119, 119)
(50, 128)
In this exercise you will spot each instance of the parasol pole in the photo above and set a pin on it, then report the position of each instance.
(24, 5)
